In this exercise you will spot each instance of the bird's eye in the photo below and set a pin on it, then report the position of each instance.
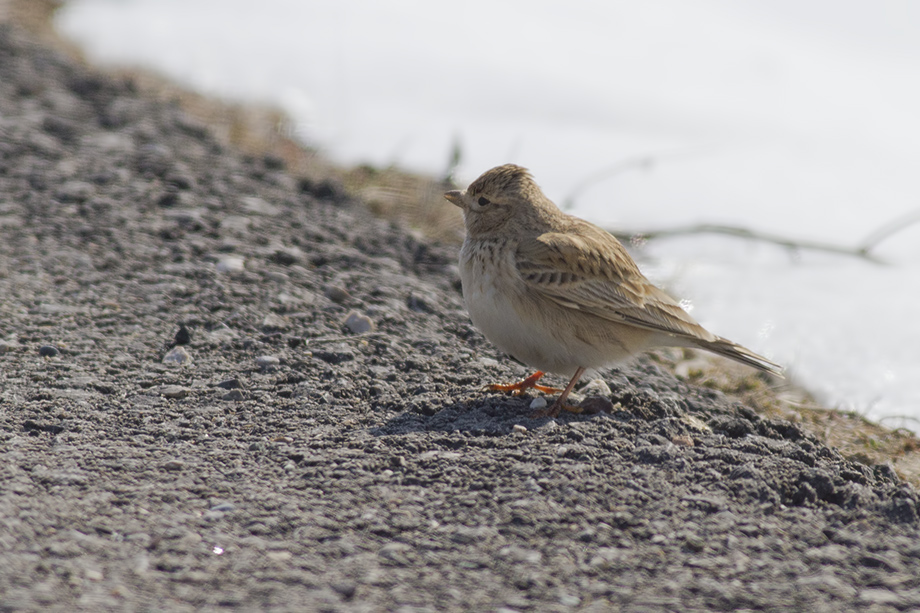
(484, 201)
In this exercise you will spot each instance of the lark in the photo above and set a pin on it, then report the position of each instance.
(560, 294)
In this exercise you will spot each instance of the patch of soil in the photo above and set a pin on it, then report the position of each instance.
(222, 385)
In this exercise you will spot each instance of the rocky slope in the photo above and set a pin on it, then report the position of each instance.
(223, 386)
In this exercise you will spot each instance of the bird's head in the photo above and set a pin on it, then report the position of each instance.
(505, 194)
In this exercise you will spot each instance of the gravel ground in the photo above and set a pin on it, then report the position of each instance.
(224, 387)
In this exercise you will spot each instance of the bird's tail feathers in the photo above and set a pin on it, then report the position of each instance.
(734, 351)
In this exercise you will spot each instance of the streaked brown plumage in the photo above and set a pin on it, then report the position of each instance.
(559, 293)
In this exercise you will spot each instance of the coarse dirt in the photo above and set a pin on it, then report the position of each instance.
(223, 387)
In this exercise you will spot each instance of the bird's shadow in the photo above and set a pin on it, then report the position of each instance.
(488, 414)
(481, 412)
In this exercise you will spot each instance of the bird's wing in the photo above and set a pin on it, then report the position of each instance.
(589, 270)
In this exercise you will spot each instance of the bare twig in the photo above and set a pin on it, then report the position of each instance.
(646, 162)
(789, 243)
(892, 227)
(862, 251)
(639, 162)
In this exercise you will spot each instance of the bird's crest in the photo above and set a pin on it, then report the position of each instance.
(509, 179)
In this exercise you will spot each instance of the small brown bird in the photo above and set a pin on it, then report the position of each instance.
(560, 294)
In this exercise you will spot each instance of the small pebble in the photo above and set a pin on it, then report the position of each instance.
(234, 396)
(287, 256)
(174, 391)
(519, 429)
(279, 556)
(695, 423)
(395, 552)
(337, 294)
(538, 403)
(7, 346)
(596, 404)
(682, 440)
(276, 276)
(235, 223)
(174, 465)
(569, 600)
(422, 302)
(75, 191)
(346, 589)
(254, 204)
(273, 321)
(48, 351)
(186, 217)
(222, 334)
(595, 387)
(268, 363)
(358, 323)
(183, 336)
(223, 507)
(177, 355)
(231, 263)
(230, 384)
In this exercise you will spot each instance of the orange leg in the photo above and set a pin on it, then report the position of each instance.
(522, 386)
(560, 404)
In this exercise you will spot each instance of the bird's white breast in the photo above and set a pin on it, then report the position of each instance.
(494, 295)
(533, 328)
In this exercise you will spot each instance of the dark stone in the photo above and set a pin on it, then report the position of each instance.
(183, 336)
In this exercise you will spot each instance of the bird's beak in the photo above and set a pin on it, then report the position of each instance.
(455, 196)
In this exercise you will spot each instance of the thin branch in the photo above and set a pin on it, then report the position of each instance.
(639, 162)
(646, 162)
(774, 239)
(892, 227)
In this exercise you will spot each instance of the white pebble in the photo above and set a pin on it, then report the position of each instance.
(538, 403)
(177, 355)
(595, 387)
(174, 391)
(231, 263)
(268, 363)
(358, 323)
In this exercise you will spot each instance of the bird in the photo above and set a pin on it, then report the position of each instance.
(560, 294)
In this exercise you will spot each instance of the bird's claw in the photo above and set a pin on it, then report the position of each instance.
(520, 387)
(554, 409)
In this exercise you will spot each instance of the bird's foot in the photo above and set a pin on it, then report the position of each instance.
(523, 385)
(554, 409)
(560, 404)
